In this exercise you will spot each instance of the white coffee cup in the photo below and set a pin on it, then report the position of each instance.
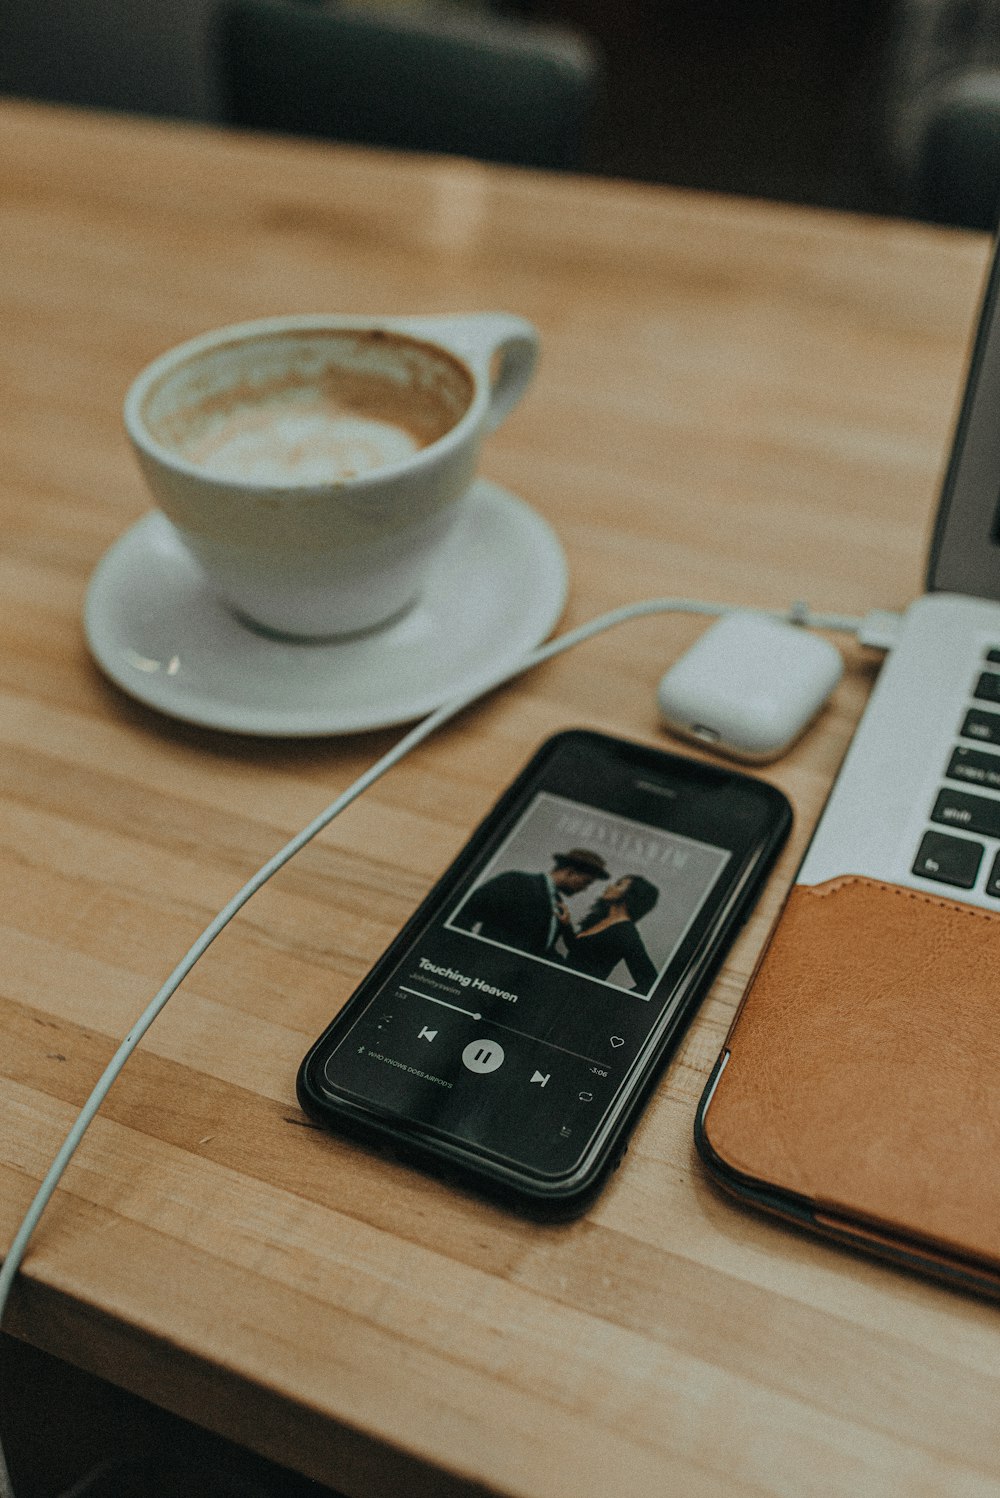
(313, 465)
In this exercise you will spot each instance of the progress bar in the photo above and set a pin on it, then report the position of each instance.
(432, 1000)
(417, 994)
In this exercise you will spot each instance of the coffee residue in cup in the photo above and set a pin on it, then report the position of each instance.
(301, 442)
(312, 407)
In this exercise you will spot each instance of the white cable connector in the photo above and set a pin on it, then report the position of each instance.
(798, 614)
(879, 629)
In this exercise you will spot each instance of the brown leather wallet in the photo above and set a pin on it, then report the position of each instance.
(858, 1092)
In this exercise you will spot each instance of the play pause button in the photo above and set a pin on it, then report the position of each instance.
(483, 1055)
(541, 1077)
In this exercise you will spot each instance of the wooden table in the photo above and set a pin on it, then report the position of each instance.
(736, 401)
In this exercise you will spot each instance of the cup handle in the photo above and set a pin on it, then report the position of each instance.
(499, 346)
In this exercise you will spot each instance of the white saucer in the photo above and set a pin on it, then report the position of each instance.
(157, 629)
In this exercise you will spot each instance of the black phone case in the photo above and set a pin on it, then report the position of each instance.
(463, 1166)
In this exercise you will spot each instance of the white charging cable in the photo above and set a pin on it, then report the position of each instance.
(875, 629)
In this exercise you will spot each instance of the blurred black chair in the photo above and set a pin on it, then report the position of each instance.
(485, 86)
(942, 109)
(957, 172)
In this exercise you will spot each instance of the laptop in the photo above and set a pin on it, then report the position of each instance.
(858, 1092)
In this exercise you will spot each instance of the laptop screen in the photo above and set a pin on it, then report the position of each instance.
(965, 548)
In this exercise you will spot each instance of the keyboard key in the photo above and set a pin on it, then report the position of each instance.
(971, 813)
(993, 655)
(975, 767)
(949, 860)
(993, 882)
(982, 726)
(988, 687)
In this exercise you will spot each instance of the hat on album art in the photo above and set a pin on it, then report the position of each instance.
(583, 859)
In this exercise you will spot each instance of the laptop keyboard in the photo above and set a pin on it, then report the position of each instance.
(959, 861)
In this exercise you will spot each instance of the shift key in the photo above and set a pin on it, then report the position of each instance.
(971, 813)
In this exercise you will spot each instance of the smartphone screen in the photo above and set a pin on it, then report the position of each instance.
(513, 1025)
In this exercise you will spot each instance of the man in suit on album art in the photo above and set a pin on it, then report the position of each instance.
(526, 910)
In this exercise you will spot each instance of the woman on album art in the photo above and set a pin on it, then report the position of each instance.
(607, 935)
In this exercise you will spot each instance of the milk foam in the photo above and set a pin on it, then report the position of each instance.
(278, 444)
